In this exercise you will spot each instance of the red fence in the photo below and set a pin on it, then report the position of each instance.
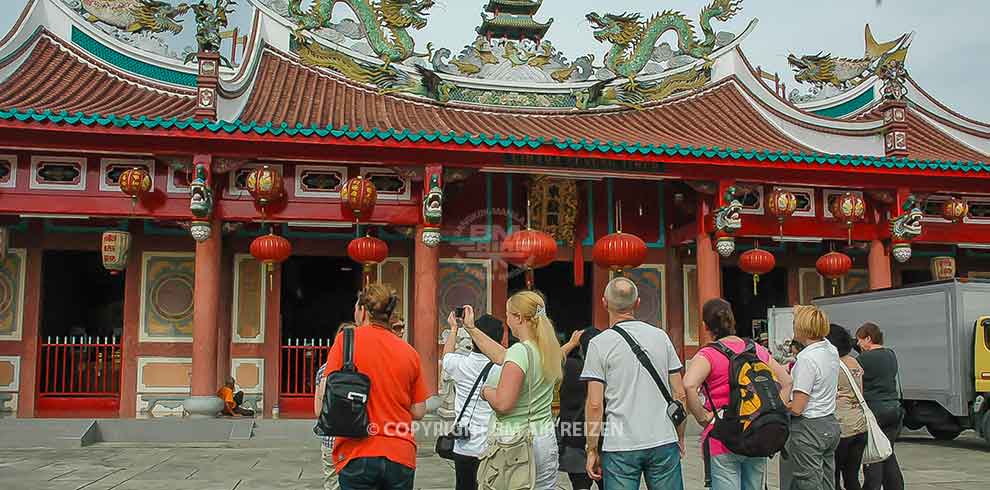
(301, 359)
(80, 366)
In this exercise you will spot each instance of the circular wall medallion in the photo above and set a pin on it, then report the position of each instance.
(172, 297)
(6, 294)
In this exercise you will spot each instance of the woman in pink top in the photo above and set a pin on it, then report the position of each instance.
(728, 471)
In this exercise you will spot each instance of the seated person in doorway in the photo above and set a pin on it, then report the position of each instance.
(232, 401)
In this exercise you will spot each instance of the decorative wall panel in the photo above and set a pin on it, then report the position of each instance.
(649, 279)
(162, 385)
(236, 185)
(8, 171)
(111, 168)
(12, 294)
(249, 376)
(58, 173)
(167, 281)
(319, 181)
(811, 285)
(464, 282)
(856, 280)
(248, 314)
(394, 273)
(692, 311)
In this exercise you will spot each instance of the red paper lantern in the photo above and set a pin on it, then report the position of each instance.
(834, 265)
(781, 204)
(849, 208)
(757, 261)
(530, 249)
(265, 186)
(358, 196)
(271, 249)
(367, 251)
(135, 182)
(619, 251)
(955, 209)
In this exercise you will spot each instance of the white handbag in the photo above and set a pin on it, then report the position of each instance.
(878, 447)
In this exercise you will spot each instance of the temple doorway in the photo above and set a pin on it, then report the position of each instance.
(750, 308)
(569, 306)
(318, 294)
(80, 326)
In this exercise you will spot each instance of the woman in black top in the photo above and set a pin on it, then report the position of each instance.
(883, 397)
(570, 427)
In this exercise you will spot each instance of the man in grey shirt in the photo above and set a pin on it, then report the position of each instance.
(640, 439)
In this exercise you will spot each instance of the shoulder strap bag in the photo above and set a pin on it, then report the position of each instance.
(878, 447)
(445, 443)
(508, 463)
(675, 409)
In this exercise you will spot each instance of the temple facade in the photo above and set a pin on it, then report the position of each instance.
(169, 219)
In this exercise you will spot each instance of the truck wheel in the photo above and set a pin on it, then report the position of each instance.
(986, 427)
(944, 435)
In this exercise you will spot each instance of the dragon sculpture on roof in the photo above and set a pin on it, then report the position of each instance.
(843, 73)
(633, 39)
(384, 23)
(135, 15)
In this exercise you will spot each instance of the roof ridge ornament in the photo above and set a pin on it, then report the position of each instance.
(830, 75)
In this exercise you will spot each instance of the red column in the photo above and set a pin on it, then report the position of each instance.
(206, 299)
(709, 270)
(31, 324)
(132, 318)
(426, 262)
(879, 266)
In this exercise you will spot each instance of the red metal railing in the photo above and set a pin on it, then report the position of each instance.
(301, 359)
(80, 366)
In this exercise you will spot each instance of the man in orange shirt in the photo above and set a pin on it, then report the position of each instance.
(386, 459)
(232, 401)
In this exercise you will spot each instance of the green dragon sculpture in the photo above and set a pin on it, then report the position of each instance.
(907, 226)
(385, 23)
(633, 40)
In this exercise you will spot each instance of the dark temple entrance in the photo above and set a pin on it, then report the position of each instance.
(751, 309)
(569, 307)
(81, 325)
(318, 294)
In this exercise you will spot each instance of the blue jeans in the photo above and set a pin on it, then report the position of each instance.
(734, 472)
(661, 467)
(376, 474)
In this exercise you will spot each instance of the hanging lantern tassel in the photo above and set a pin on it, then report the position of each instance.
(757, 261)
(835, 286)
(756, 282)
(530, 278)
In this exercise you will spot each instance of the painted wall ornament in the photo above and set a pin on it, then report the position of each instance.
(907, 226)
(201, 201)
(433, 212)
(634, 40)
(512, 61)
(385, 23)
(943, 268)
(553, 206)
(728, 218)
(829, 75)
(211, 19)
(135, 15)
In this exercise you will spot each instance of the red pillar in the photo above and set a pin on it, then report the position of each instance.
(426, 264)
(30, 333)
(206, 299)
(879, 266)
(709, 270)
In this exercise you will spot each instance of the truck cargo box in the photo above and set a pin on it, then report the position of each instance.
(930, 326)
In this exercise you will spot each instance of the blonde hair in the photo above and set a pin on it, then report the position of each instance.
(532, 308)
(810, 322)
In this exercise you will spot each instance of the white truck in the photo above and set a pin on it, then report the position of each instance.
(941, 334)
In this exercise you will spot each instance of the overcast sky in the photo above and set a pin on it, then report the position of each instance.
(950, 35)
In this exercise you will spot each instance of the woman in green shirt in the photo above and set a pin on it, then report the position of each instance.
(522, 394)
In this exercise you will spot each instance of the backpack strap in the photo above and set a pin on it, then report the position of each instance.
(483, 375)
(644, 359)
(349, 350)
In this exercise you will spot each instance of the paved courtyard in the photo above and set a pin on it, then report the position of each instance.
(928, 465)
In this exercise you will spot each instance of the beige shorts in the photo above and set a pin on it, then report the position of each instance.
(329, 470)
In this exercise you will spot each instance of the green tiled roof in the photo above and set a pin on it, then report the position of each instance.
(482, 140)
(516, 21)
(129, 64)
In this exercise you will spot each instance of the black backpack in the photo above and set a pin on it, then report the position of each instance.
(755, 423)
(345, 400)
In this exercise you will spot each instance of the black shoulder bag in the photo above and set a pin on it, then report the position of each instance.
(445, 443)
(345, 400)
(675, 410)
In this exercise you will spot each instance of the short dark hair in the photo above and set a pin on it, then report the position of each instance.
(718, 317)
(871, 330)
(490, 326)
(840, 338)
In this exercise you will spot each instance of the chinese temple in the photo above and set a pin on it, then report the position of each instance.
(171, 218)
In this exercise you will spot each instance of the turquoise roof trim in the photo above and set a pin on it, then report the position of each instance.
(129, 64)
(491, 141)
(847, 107)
